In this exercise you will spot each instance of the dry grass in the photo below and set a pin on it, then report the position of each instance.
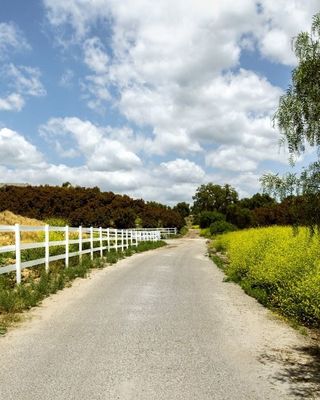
(8, 218)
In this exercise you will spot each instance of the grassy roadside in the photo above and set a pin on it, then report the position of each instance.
(14, 300)
(278, 267)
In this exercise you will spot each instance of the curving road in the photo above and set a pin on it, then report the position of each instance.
(158, 325)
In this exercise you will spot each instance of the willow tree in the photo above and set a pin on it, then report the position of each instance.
(298, 115)
(298, 120)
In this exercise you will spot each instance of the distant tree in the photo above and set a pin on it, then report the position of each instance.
(256, 201)
(124, 218)
(299, 193)
(281, 187)
(239, 216)
(212, 197)
(206, 218)
(183, 209)
(66, 185)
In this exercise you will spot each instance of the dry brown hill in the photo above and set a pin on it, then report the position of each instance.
(8, 218)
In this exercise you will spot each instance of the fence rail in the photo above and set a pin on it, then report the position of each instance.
(79, 240)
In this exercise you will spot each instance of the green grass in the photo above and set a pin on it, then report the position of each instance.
(277, 266)
(205, 232)
(218, 261)
(14, 299)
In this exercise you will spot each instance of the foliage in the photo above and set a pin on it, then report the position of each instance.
(219, 227)
(183, 231)
(256, 201)
(298, 115)
(206, 218)
(239, 216)
(279, 267)
(124, 217)
(182, 209)
(304, 206)
(212, 197)
(205, 233)
(86, 207)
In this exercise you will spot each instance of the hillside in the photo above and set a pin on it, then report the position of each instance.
(9, 218)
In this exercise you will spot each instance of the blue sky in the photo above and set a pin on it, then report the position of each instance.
(149, 99)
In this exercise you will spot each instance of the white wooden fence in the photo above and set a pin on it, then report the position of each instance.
(86, 240)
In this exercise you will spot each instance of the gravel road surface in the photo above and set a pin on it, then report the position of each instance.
(158, 325)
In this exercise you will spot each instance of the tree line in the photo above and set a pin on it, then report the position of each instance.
(220, 208)
(87, 207)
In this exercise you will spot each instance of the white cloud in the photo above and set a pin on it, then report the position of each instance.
(22, 82)
(230, 158)
(282, 20)
(101, 150)
(13, 102)
(95, 56)
(66, 78)
(95, 86)
(11, 39)
(174, 71)
(16, 151)
(182, 171)
(26, 80)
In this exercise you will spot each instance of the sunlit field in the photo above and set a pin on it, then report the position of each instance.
(278, 266)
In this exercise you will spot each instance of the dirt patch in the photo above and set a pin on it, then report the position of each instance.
(192, 234)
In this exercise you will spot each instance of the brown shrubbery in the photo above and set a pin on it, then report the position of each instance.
(86, 207)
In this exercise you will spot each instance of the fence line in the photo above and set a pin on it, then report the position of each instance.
(86, 240)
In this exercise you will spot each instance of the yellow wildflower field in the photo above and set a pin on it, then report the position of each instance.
(278, 266)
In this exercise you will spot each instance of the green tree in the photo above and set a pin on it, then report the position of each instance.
(239, 216)
(212, 197)
(182, 208)
(298, 119)
(206, 218)
(298, 115)
(256, 201)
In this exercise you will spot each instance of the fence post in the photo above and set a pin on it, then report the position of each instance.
(101, 249)
(121, 239)
(131, 238)
(91, 243)
(46, 246)
(18, 252)
(108, 239)
(127, 240)
(116, 237)
(80, 243)
(67, 246)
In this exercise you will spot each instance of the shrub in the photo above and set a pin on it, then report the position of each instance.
(219, 227)
(206, 218)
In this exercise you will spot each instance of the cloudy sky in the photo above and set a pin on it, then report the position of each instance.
(148, 98)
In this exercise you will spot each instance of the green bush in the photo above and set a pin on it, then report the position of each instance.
(206, 218)
(219, 227)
